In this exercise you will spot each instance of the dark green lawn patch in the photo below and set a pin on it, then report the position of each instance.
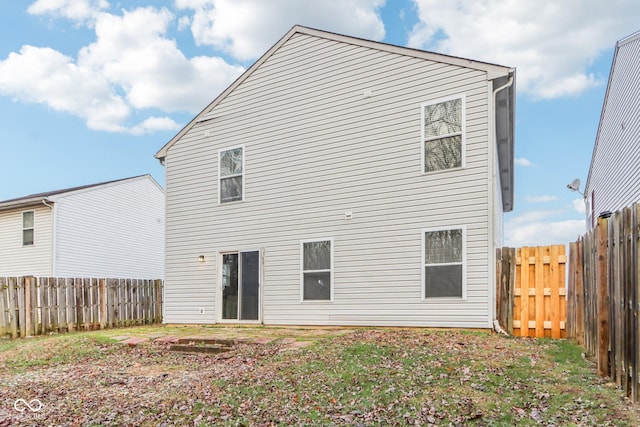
(367, 377)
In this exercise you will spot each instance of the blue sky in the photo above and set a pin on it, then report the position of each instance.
(91, 89)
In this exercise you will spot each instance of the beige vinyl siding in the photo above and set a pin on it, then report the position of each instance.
(315, 148)
(116, 230)
(615, 175)
(19, 260)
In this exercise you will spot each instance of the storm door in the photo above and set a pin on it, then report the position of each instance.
(241, 285)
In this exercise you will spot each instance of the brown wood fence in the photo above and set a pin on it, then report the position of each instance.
(604, 297)
(531, 294)
(34, 306)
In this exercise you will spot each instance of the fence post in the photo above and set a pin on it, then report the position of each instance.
(12, 282)
(103, 303)
(571, 292)
(3, 323)
(635, 271)
(511, 285)
(557, 304)
(539, 287)
(27, 305)
(500, 315)
(629, 302)
(579, 283)
(20, 291)
(158, 301)
(602, 298)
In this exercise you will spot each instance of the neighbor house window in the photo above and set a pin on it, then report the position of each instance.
(317, 271)
(443, 135)
(27, 228)
(444, 262)
(231, 174)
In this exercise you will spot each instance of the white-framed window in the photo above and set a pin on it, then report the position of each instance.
(28, 223)
(444, 262)
(316, 270)
(231, 174)
(443, 134)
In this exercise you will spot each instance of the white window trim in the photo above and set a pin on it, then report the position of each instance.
(31, 228)
(423, 264)
(219, 308)
(220, 151)
(464, 133)
(302, 271)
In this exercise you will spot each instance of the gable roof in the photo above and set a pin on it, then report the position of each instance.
(503, 78)
(493, 70)
(38, 198)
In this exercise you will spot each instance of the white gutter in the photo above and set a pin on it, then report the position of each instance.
(496, 323)
(504, 86)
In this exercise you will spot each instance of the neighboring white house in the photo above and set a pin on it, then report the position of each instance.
(614, 174)
(113, 229)
(341, 181)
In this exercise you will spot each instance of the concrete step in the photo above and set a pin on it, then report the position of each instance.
(201, 348)
(206, 341)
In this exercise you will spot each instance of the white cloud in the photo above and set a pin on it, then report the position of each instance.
(551, 43)
(76, 10)
(539, 233)
(521, 161)
(533, 216)
(247, 28)
(540, 199)
(153, 124)
(46, 76)
(132, 66)
(579, 205)
(133, 52)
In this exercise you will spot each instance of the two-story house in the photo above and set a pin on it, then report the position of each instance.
(112, 229)
(614, 175)
(342, 181)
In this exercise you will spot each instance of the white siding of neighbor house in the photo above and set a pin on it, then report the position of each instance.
(19, 260)
(614, 175)
(115, 230)
(316, 148)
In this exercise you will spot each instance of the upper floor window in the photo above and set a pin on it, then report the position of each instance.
(317, 269)
(27, 228)
(443, 134)
(444, 262)
(231, 174)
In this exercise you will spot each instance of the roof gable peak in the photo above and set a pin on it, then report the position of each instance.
(493, 71)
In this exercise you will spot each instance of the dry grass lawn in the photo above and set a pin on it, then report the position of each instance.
(345, 377)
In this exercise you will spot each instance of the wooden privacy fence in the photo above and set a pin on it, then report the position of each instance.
(531, 291)
(34, 306)
(604, 297)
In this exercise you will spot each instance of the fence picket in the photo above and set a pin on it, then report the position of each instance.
(3, 307)
(606, 289)
(532, 291)
(158, 301)
(38, 305)
(20, 297)
(13, 306)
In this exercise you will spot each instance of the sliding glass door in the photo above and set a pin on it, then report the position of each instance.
(241, 285)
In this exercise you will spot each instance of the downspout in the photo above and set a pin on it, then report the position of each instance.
(504, 86)
(53, 237)
(496, 323)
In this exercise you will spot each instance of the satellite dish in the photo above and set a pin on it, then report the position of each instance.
(575, 185)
